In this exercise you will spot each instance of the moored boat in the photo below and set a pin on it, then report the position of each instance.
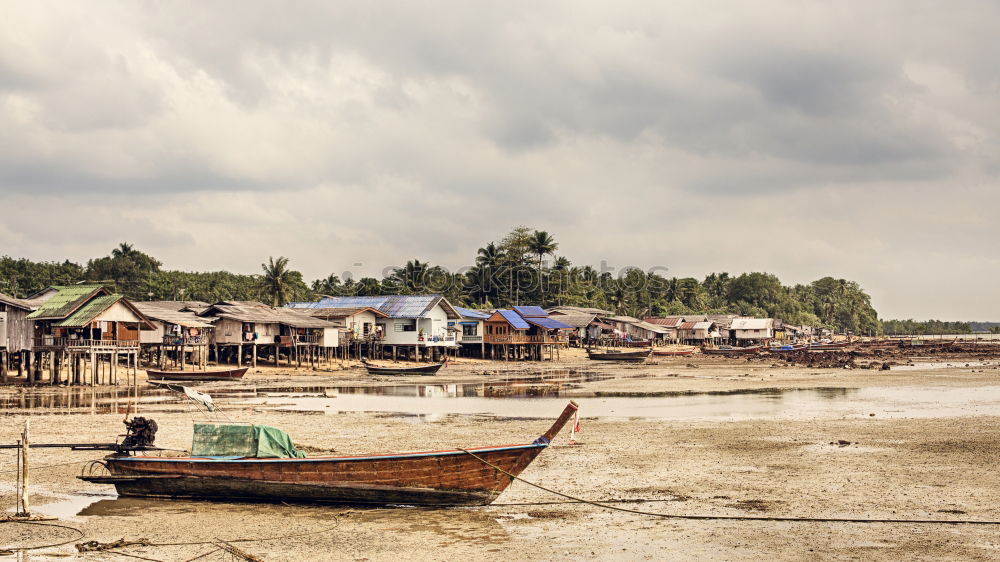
(672, 353)
(374, 369)
(828, 346)
(732, 350)
(433, 478)
(223, 375)
(616, 355)
(785, 348)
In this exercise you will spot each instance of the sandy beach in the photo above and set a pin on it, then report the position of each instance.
(766, 450)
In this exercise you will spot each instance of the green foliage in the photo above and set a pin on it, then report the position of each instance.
(924, 328)
(507, 272)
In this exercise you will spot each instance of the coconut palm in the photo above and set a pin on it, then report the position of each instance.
(540, 244)
(277, 280)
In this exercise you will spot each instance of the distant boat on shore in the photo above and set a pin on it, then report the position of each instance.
(203, 376)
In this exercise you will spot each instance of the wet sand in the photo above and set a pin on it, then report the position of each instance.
(943, 466)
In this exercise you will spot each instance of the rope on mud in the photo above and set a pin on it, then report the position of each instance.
(40, 524)
(735, 517)
(33, 467)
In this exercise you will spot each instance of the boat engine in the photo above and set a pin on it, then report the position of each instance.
(141, 434)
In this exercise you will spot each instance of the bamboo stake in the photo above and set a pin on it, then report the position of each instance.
(25, 504)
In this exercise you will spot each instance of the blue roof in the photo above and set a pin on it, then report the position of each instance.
(469, 313)
(395, 306)
(531, 311)
(514, 319)
(548, 323)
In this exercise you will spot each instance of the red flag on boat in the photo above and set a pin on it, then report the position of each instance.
(576, 427)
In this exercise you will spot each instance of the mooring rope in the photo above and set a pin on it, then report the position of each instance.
(734, 517)
(40, 524)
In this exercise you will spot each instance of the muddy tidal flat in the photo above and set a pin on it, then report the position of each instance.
(676, 436)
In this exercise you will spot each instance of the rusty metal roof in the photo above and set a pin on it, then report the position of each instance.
(66, 300)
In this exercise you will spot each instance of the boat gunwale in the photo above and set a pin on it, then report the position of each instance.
(385, 456)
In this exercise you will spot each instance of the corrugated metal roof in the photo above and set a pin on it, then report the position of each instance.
(469, 313)
(175, 305)
(576, 319)
(670, 321)
(163, 311)
(66, 300)
(548, 323)
(266, 315)
(626, 319)
(751, 324)
(340, 313)
(578, 309)
(514, 319)
(651, 327)
(395, 306)
(16, 303)
(89, 311)
(687, 326)
(531, 311)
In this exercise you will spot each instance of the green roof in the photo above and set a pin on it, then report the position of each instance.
(66, 300)
(86, 314)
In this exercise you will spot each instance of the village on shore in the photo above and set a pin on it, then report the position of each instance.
(85, 334)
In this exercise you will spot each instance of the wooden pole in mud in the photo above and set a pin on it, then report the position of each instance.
(24, 509)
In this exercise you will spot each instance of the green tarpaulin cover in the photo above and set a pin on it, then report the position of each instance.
(259, 441)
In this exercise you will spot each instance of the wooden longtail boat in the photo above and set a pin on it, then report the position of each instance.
(731, 350)
(927, 343)
(402, 370)
(828, 346)
(615, 355)
(667, 353)
(785, 348)
(434, 478)
(225, 375)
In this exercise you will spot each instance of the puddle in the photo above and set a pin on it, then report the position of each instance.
(884, 402)
(930, 365)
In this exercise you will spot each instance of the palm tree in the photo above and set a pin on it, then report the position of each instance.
(277, 279)
(412, 276)
(542, 243)
(488, 260)
(123, 250)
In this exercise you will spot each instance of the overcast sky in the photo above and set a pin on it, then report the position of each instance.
(853, 139)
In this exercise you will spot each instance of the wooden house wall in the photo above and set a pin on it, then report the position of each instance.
(228, 330)
(153, 336)
(118, 312)
(19, 329)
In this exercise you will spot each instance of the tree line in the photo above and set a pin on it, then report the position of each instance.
(522, 267)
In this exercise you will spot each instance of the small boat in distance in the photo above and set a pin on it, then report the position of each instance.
(203, 376)
(276, 472)
(616, 355)
(785, 348)
(672, 353)
(732, 350)
(828, 346)
(374, 369)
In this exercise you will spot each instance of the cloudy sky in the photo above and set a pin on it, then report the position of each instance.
(853, 139)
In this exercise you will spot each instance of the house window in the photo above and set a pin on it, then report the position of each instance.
(469, 329)
(408, 325)
(367, 328)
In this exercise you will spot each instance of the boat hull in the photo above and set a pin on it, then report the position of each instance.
(381, 370)
(635, 356)
(454, 477)
(673, 353)
(445, 478)
(732, 351)
(227, 375)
